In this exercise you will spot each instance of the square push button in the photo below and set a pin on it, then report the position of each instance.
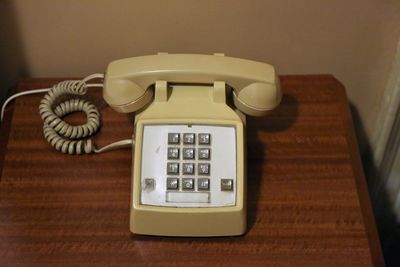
(188, 168)
(204, 139)
(172, 168)
(148, 184)
(187, 184)
(204, 169)
(172, 183)
(173, 138)
(203, 184)
(188, 138)
(226, 185)
(173, 153)
(204, 153)
(188, 153)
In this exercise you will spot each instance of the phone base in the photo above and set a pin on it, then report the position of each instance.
(176, 189)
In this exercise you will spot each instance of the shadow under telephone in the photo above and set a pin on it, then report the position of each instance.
(189, 163)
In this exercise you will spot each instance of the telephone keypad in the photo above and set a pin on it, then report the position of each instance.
(188, 163)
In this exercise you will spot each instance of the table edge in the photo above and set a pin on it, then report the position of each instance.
(361, 184)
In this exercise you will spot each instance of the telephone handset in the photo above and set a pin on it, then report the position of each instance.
(189, 168)
(128, 81)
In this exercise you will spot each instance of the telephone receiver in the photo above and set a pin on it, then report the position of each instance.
(128, 82)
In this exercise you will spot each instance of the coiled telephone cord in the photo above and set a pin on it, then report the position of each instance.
(66, 138)
(61, 135)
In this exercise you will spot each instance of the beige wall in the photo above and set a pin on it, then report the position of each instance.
(355, 39)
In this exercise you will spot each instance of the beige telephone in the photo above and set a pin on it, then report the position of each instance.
(189, 164)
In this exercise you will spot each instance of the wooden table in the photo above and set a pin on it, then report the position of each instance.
(307, 197)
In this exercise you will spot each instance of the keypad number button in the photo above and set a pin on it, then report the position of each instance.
(173, 138)
(173, 153)
(172, 183)
(203, 184)
(204, 153)
(187, 184)
(204, 139)
(188, 168)
(188, 138)
(204, 169)
(172, 168)
(188, 153)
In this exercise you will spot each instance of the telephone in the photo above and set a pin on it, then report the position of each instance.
(189, 164)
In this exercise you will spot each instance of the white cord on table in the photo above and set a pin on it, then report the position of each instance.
(11, 98)
(62, 136)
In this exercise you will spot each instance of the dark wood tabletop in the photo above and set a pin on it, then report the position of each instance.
(308, 203)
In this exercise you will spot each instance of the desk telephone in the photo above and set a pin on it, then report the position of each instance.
(189, 166)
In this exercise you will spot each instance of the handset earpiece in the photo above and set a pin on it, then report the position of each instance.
(126, 96)
(257, 98)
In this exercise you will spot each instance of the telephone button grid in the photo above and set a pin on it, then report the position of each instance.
(196, 166)
(188, 164)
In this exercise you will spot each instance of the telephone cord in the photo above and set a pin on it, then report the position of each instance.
(66, 138)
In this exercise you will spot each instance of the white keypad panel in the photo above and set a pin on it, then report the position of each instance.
(188, 166)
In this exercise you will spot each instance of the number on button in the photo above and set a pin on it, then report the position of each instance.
(172, 168)
(204, 139)
(188, 153)
(204, 169)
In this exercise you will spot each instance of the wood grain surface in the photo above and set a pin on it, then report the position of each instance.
(307, 199)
